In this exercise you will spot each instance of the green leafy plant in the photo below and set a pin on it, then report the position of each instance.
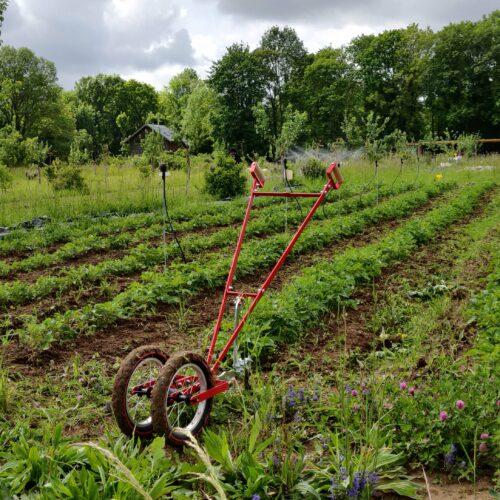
(224, 179)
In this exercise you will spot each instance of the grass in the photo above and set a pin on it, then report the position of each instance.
(119, 187)
(321, 417)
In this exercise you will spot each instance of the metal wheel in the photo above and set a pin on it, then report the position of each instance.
(133, 387)
(183, 376)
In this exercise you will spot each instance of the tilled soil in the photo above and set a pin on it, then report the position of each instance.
(163, 327)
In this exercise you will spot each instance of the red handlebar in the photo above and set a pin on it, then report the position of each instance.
(333, 168)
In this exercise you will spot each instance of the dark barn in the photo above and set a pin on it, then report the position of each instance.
(169, 144)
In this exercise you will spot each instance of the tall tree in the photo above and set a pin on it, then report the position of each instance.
(173, 99)
(330, 94)
(284, 58)
(237, 79)
(389, 68)
(115, 106)
(28, 89)
(463, 79)
(196, 125)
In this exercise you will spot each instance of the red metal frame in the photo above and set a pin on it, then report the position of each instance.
(334, 182)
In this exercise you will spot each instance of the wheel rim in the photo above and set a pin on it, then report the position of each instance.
(139, 403)
(188, 380)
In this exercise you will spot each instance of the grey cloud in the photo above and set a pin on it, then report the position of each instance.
(89, 37)
(337, 13)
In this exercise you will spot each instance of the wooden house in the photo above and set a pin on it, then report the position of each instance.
(134, 140)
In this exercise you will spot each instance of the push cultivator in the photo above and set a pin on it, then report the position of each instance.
(155, 393)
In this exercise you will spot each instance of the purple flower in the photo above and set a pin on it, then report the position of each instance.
(290, 397)
(343, 473)
(256, 497)
(498, 402)
(460, 405)
(316, 394)
(449, 458)
(323, 442)
(411, 390)
(484, 435)
(443, 416)
(348, 388)
(332, 488)
(354, 393)
(483, 448)
(373, 479)
(301, 395)
(358, 485)
(402, 386)
(276, 462)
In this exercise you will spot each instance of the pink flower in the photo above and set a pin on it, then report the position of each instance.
(460, 405)
(498, 402)
(443, 416)
(411, 390)
(402, 386)
(354, 393)
(483, 447)
(484, 435)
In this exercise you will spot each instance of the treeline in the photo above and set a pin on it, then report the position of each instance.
(416, 82)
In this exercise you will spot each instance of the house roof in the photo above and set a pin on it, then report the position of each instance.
(161, 129)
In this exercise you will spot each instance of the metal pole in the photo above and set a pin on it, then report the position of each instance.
(237, 304)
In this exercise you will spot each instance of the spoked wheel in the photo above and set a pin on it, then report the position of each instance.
(132, 390)
(183, 376)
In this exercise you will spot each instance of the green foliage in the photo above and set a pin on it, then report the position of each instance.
(238, 80)
(152, 149)
(36, 152)
(314, 168)
(224, 178)
(63, 177)
(196, 126)
(12, 147)
(5, 178)
(81, 146)
(375, 144)
(468, 144)
(28, 89)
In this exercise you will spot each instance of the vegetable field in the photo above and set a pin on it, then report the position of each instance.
(375, 357)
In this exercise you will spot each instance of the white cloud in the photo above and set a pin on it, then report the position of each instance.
(152, 40)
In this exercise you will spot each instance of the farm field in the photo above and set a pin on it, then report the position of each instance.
(375, 359)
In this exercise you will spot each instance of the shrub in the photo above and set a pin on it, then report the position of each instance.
(65, 177)
(12, 147)
(224, 179)
(5, 178)
(314, 168)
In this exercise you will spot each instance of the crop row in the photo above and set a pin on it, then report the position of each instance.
(67, 231)
(190, 217)
(143, 256)
(329, 284)
(183, 280)
(93, 242)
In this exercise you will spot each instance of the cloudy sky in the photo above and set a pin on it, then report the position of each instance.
(152, 40)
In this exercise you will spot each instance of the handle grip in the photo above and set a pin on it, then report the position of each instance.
(257, 174)
(334, 169)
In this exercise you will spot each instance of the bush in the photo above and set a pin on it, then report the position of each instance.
(224, 179)
(5, 178)
(314, 168)
(12, 147)
(65, 177)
